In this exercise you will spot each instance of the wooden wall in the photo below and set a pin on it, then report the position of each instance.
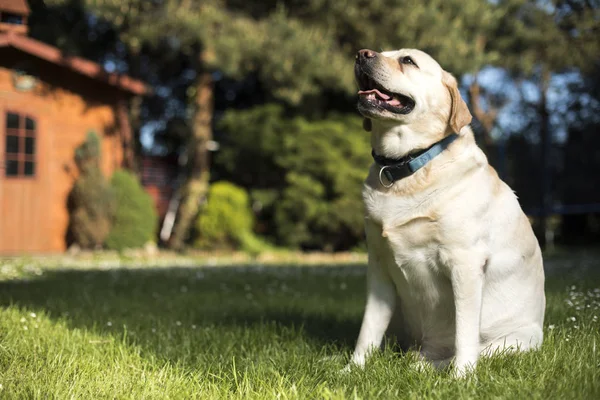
(33, 211)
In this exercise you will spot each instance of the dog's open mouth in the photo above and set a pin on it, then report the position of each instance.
(373, 95)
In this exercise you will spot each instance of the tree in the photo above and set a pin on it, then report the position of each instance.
(298, 54)
(282, 51)
(546, 38)
(457, 33)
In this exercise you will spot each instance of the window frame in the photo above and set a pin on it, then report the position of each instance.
(21, 156)
(10, 18)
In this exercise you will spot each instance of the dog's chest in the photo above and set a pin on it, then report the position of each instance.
(409, 223)
(413, 236)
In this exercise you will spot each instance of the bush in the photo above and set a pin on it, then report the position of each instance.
(307, 175)
(226, 220)
(135, 219)
(91, 201)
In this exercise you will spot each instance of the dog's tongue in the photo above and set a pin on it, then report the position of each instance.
(382, 96)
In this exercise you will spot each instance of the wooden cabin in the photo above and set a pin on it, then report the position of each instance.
(48, 103)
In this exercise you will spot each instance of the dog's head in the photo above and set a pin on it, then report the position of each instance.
(408, 87)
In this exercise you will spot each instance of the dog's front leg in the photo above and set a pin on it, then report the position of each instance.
(381, 301)
(467, 285)
(381, 296)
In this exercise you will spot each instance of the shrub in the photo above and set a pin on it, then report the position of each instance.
(306, 175)
(135, 219)
(226, 220)
(91, 201)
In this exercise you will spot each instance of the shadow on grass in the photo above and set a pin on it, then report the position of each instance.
(165, 307)
(209, 315)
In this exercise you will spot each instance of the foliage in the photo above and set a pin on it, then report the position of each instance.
(226, 221)
(454, 31)
(557, 35)
(135, 220)
(293, 59)
(91, 201)
(305, 175)
(256, 332)
(298, 54)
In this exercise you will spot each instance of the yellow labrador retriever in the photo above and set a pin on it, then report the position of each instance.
(455, 270)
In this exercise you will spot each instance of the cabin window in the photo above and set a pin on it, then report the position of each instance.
(10, 18)
(20, 145)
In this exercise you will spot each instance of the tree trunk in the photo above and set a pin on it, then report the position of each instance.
(487, 119)
(135, 106)
(194, 190)
(134, 112)
(125, 130)
(545, 199)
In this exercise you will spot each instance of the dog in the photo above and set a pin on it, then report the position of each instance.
(454, 268)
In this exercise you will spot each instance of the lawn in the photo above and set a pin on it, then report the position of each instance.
(257, 332)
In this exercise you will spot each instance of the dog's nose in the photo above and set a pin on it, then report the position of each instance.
(365, 53)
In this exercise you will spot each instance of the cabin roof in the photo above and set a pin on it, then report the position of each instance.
(76, 64)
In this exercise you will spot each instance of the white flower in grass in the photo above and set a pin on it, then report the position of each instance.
(109, 323)
(32, 315)
(23, 320)
(178, 323)
(569, 303)
(551, 327)
(193, 326)
(572, 319)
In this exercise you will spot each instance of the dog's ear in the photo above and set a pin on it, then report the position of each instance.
(460, 115)
(367, 124)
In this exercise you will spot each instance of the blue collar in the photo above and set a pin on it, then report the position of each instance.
(395, 169)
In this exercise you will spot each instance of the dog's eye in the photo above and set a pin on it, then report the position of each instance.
(408, 60)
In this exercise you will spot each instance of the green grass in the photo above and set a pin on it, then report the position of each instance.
(257, 332)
